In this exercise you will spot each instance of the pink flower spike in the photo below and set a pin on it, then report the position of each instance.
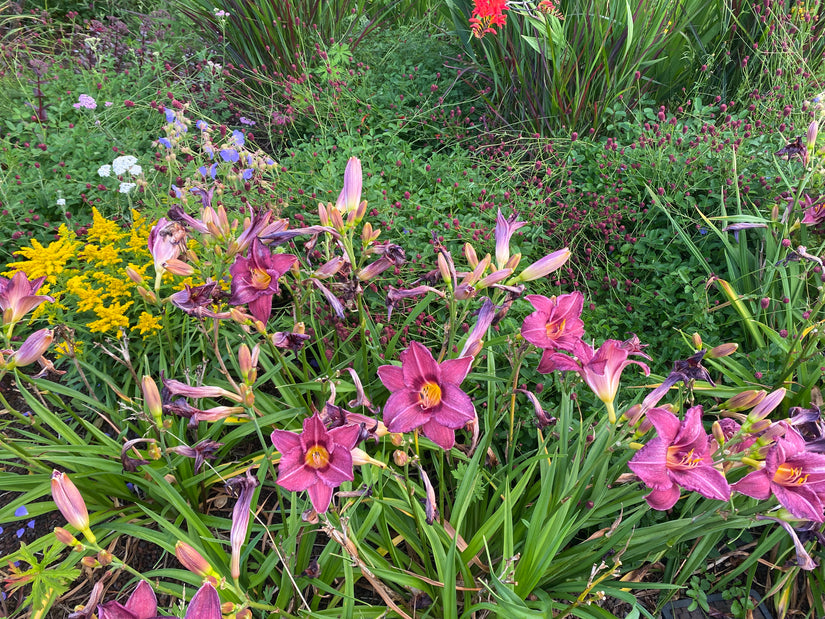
(556, 323)
(317, 460)
(18, 296)
(426, 394)
(503, 233)
(791, 473)
(678, 457)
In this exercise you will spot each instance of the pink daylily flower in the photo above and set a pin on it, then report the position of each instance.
(255, 279)
(795, 476)
(142, 604)
(317, 460)
(18, 296)
(426, 394)
(601, 369)
(678, 457)
(556, 323)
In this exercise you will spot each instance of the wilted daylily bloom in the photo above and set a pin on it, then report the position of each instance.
(555, 325)
(317, 460)
(31, 350)
(202, 451)
(601, 369)
(794, 475)
(18, 296)
(245, 488)
(167, 239)
(685, 371)
(255, 279)
(426, 394)
(678, 456)
(475, 340)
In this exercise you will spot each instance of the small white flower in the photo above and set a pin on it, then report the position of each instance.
(104, 170)
(123, 163)
(136, 170)
(61, 202)
(126, 187)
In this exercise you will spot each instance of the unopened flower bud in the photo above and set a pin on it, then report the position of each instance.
(400, 457)
(697, 341)
(444, 269)
(32, 349)
(152, 400)
(179, 267)
(470, 254)
(245, 613)
(227, 607)
(336, 219)
(193, 561)
(104, 557)
(64, 537)
(718, 433)
(361, 457)
(764, 302)
(360, 211)
(767, 405)
(512, 262)
(545, 266)
(248, 361)
(147, 295)
(397, 439)
(90, 562)
(70, 503)
(723, 350)
(323, 214)
(744, 400)
(134, 275)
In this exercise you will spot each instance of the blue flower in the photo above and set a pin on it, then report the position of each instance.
(238, 136)
(30, 524)
(202, 125)
(21, 511)
(20, 532)
(247, 174)
(229, 154)
(170, 115)
(165, 142)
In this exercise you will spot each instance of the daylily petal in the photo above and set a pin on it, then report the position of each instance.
(205, 604)
(293, 474)
(755, 484)
(346, 436)
(392, 376)
(801, 501)
(438, 434)
(403, 412)
(649, 464)
(314, 433)
(666, 423)
(705, 480)
(418, 365)
(285, 441)
(663, 499)
(339, 469)
(455, 370)
(143, 603)
(321, 496)
(456, 407)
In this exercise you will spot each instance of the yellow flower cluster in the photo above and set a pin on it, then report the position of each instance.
(88, 278)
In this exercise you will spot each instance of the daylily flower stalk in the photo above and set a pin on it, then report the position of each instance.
(678, 457)
(426, 394)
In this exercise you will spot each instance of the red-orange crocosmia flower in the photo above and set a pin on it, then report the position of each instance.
(486, 14)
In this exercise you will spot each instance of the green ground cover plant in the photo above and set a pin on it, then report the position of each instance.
(341, 340)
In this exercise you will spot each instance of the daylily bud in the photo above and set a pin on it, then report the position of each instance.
(151, 397)
(512, 262)
(361, 457)
(70, 503)
(248, 361)
(178, 267)
(400, 457)
(764, 302)
(723, 350)
(64, 537)
(360, 211)
(367, 234)
(697, 341)
(718, 433)
(545, 266)
(744, 400)
(494, 278)
(193, 561)
(336, 220)
(374, 269)
(244, 614)
(90, 562)
(105, 557)
(444, 269)
(470, 254)
(323, 214)
(766, 406)
(397, 439)
(147, 295)
(227, 607)
(32, 349)
(134, 275)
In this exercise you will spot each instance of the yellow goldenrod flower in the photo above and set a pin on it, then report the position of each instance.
(47, 261)
(148, 325)
(104, 231)
(111, 317)
(101, 256)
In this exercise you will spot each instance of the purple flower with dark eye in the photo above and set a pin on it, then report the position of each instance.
(317, 460)
(426, 394)
(255, 279)
(678, 457)
(229, 154)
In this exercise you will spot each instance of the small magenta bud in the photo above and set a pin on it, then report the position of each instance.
(764, 302)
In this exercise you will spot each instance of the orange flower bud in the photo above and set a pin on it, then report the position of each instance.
(152, 400)
(400, 457)
(64, 537)
(723, 350)
(193, 561)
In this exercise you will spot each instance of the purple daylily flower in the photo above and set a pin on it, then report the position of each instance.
(255, 279)
(678, 457)
(556, 323)
(142, 604)
(317, 460)
(426, 394)
(505, 228)
(791, 473)
(18, 296)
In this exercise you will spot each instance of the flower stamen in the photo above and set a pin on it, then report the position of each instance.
(430, 395)
(317, 457)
